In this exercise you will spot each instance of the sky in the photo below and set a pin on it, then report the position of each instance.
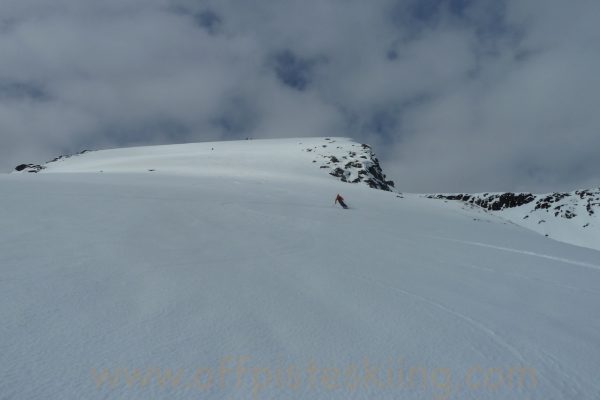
(454, 95)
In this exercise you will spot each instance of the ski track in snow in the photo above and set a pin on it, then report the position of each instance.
(564, 387)
(529, 278)
(570, 386)
(518, 251)
(476, 324)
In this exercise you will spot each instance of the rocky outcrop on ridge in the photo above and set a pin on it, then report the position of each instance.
(35, 168)
(354, 163)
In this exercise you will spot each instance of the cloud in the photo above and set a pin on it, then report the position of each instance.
(292, 70)
(456, 95)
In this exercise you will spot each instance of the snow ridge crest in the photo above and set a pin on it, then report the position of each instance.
(341, 158)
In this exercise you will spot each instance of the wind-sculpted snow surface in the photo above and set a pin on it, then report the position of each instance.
(228, 273)
(569, 217)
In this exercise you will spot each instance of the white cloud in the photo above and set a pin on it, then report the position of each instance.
(455, 95)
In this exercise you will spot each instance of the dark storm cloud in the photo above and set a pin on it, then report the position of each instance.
(22, 90)
(292, 70)
(455, 95)
(208, 20)
(205, 18)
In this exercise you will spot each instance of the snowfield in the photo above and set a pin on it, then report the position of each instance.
(569, 217)
(224, 271)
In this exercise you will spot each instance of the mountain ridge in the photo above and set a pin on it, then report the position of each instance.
(571, 217)
(345, 159)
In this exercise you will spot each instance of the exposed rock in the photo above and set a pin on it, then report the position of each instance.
(338, 173)
(494, 202)
(37, 168)
(557, 205)
(33, 168)
(358, 166)
(546, 202)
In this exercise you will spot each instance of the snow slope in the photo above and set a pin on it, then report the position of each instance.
(569, 217)
(341, 157)
(228, 273)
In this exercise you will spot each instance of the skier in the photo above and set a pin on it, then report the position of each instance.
(340, 199)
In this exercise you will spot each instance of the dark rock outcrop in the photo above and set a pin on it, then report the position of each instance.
(355, 164)
(563, 205)
(33, 168)
(492, 202)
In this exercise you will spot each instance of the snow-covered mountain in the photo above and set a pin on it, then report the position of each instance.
(569, 217)
(341, 157)
(224, 270)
